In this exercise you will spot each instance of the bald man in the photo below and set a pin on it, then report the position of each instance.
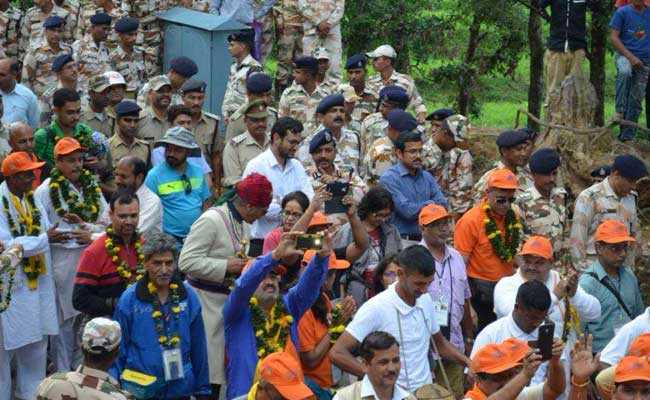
(21, 138)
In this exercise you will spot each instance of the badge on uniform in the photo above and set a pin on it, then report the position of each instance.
(173, 364)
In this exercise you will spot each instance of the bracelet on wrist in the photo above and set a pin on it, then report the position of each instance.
(580, 385)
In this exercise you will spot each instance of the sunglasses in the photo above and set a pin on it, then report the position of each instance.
(187, 185)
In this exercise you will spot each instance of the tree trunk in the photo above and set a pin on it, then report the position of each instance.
(600, 17)
(402, 63)
(466, 80)
(536, 75)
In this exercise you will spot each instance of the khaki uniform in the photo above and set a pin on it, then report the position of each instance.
(32, 31)
(136, 67)
(45, 103)
(238, 152)
(39, 61)
(100, 122)
(347, 150)
(119, 149)
(93, 59)
(593, 206)
(315, 12)
(297, 103)
(288, 20)
(151, 127)
(376, 83)
(204, 134)
(10, 32)
(88, 10)
(373, 127)
(523, 177)
(453, 171)
(237, 126)
(143, 94)
(83, 384)
(149, 35)
(545, 217)
(235, 95)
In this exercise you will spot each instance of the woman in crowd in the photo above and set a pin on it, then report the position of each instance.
(293, 206)
(385, 275)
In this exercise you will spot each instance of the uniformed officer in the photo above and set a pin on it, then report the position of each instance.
(613, 198)
(10, 19)
(67, 77)
(91, 52)
(90, 8)
(31, 28)
(116, 92)
(72, 7)
(240, 45)
(322, 27)
(351, 99)
(100, 343)
(367, 101)
(131, 61)
(95, 114)
(37, 65)
(374, 126)
(259, 86)
(180, 69)
(437, 119)
(243, 148)
(150, 37)
(125, 141)
(600, 173)
(154, 124)
(325, 75)
(383, 61)
(288, 22)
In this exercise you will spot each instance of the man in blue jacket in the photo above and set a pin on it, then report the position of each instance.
(259, 321)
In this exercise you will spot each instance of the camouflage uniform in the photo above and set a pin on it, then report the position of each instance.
(318, 179)
(376, 83)
(315, 12)
(235, 94)
(39, 61)
(32, 33)
(593, 206)
(523, 176)
(45, 103)
(545, 217)
(92, 59)
(88, 10)
(10, 32)
(453, 171)
(347, 150)
(373, 127)
(150, 35)
(289, 35)
(365, 106)
(380, 157)
(238, 152)
(84, 383)
(201, 5)
(236, 125)
(136, 68)
(266, 41)
(72, 7)
(297, 103)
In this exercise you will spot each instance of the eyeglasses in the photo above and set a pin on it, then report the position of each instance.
(618, 248)
(390, 274)
(291, 214)
(504, 200)
(187, 185)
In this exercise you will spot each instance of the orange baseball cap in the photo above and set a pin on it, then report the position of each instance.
(632, 368)
(65, 146)
(283, 372)
(319, 219)
(19, 162)
(503, 179)
(333, 264)
(431, 213)
(494, 358)
(538, 246)
(612, 231)
(640, 347)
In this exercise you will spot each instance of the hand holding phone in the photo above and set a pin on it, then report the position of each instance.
(545, 340)
(309, 242)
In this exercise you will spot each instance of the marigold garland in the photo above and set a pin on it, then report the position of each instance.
(337, 325)
(174, 339)
(123, 268)
(11, 272)
(87, 208)
(505, 251)
(271, 331)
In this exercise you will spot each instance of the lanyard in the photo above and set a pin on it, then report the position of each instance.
(446, 263)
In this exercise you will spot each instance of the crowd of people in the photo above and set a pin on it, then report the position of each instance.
(337, 246)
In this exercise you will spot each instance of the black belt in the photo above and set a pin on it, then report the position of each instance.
(212, 287)
(416, 237)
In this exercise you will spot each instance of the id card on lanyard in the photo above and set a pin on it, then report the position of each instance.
(442, 305)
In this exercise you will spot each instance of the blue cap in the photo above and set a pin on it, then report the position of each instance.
(532, 134)
(127, 25)
(193, 85)
(544, 161)
(357, 61)
(60, 62)
(401, 121)
(330, 101)
(306, 62)
(440, 114)
(321, 138)
(395, 94)
(53, 21)
(258, 83)
(101, 19)
(246, 36)
(630, 167)
(184, 66)
(511, 138)
(127, 108)
(601, 172)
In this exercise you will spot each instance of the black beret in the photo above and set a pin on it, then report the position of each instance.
(53, 21)
(193, 85)
(395, 94)
(60, 62)
(544, 161)
(330, 101)
(306, 62)
(127, 25)
(184, 66)
(258, 83)
(246, 36)
(511, 138)
(440, 114)
(630, 167)
(127, 107)
(356, 61)
(321, 138)
(601, 172)
(101, 19)
(401, 121)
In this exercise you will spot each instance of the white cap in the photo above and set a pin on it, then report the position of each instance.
(385, 50)
(114, 78)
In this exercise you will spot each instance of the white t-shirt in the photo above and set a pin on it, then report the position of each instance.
(380, 313)
(620, 343)
(535, 392)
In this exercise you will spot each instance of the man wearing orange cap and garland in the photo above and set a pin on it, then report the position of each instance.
(27, 302)
(488, 237)
(214, 255)
(72, 200)
(640, 347)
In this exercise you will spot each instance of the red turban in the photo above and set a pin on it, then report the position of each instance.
(255, 190)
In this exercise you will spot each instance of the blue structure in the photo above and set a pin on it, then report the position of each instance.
(203, 38)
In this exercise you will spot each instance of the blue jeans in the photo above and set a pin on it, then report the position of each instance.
(630, 91)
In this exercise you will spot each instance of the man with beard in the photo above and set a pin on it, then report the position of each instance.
(212, 258)
(96, 113)
(73, 201)
(101, 278)
(367, 102)
(259, 86)
(125, 141)
(130, 172)
(67, 72)
(331, 113)
(243, 148)
(180, 70)
(21, 138)
(285, 173)
(154, 124)
(181, 186)
(256, 302)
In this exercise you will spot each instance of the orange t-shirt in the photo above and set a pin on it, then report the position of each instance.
(471, 240)
(475, 394)
(311, 332)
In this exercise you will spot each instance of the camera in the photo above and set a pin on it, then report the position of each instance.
(309, 242)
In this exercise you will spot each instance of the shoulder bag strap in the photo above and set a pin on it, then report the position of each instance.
(613, 290)
(229, 228)
(435, 348)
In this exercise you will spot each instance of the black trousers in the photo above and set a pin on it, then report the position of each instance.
(483, 301)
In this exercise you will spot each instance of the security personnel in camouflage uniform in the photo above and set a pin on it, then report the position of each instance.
(381, 154)
(322, 26)
(383, 60)
(299, 101)
(240, 45)
(92, 7)
(131, 61)
(367, 101)
(259, 86)
(37, 65)
(31, 28)
(67, 77)
(90, 52)
(543, 205)
(150, 37)
(613, 198)
(351, 99)
(95, 113)
(331, 113)
(72, 7)
(180, 69)
(437, 119)
(289, 33)
(374, 126)
(100, 343)
(10, 19)
(325, 75)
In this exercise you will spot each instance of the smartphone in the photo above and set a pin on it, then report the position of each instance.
(309, 242)
(335, 204)
(545, 340)
(338, 188)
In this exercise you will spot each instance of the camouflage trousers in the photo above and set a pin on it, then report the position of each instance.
(289, 42)
(331, 42)
(559, 65)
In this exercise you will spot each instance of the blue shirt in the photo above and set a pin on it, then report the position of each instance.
(241, 346)
(612, 314)
(158, 157)
(180, 210)
(410, 193)
(634, 29)
(20, 105)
